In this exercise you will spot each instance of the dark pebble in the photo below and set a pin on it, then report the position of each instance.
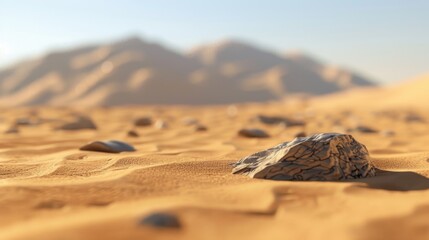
(143, 121)
(161, 220)
(253, 133)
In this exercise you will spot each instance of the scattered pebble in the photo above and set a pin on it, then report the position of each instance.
(271, 120)
(253, 133)
(364, 129)
(110, 146)
(143, 122)
(160, 124)
(188, 121)
(200, 128)
(321, 157)
(133, 133)
(300, 134)
(79, 124)
(161, 220)
(52, 204)
(12, 130)
(387, 133)
(412, 117)
(25, 122)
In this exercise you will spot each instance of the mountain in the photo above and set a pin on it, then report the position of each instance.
(134, 71)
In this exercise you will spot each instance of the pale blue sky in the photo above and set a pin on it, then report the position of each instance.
(387, 40)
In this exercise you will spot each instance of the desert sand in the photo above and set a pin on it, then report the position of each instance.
(52, 190)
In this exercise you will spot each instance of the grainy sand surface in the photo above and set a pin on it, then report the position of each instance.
(51, 190)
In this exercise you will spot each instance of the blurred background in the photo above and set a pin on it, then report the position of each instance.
(106, 53)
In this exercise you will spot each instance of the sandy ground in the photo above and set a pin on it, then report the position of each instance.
(49, 189)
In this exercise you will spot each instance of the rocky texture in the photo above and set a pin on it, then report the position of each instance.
(110, 146)
(253, 133)
(79, 124)
(161, 220)
(321, 157)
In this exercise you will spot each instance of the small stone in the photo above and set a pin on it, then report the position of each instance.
(53, 204)
(253, 133)
(412, 117)
(272, 120)
(133, 133)
(25, 122)
(200, 128)
(160, 124)
(321, 157)
(188, 121)
(79, 124)
(161, 220)
(22, 122)
(300, 134)
(109, 146)
(387, 133)
(12, 130)
(364, 129)
(143, 122)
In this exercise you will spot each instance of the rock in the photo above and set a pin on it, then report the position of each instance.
(253, 133)
(143, 122)
(364, 129)
(412, 117)
(161, 220)
(110, 146)
(300, 134)
(53, 204)
(272, 120)
(160, 124)
(79, 124)
(200, 128)
(387, 133)
(133, 133)
(188, 121)
(12, 130)
(25, 122)
(321, 157)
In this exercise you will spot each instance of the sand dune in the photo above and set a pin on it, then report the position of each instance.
(52, 190)
(406, 95)
(134, 71)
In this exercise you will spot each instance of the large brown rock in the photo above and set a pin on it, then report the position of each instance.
(321, 157)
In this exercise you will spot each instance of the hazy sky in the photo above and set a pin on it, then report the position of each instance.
(387, 40)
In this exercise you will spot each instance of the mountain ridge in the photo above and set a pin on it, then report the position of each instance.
(135, 71)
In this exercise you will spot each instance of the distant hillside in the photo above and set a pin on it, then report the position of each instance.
(134, 71)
